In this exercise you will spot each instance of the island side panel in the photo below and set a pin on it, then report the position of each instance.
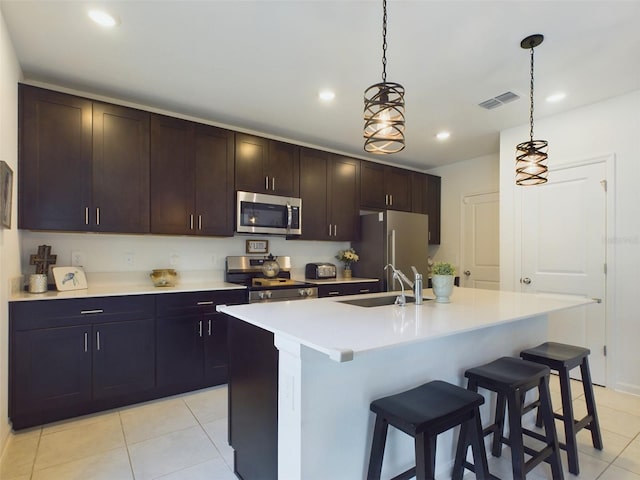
(330, 408)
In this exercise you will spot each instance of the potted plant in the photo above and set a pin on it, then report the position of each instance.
(442, 277)
(347, 257)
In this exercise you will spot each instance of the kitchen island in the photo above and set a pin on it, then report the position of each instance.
(334, 358)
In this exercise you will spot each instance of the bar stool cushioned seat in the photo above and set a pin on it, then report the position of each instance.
(511, 378)
(424, 412)
(563, 358)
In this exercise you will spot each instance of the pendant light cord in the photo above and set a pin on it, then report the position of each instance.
(531, 100)
(384, 41)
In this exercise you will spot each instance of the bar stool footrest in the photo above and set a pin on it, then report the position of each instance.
(406, 475)
(471, 466)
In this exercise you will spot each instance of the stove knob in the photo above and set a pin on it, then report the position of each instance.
(309, 292)
(302, 292)
(268, 294)
(261, 295)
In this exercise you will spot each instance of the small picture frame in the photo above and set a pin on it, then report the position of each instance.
(257, 246)
(69, 278)
(6, 194)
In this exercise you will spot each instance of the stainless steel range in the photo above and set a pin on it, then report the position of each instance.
(267, 278)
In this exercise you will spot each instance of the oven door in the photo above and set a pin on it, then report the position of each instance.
(260, 213)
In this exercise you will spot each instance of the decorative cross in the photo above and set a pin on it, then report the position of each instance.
(43, 259)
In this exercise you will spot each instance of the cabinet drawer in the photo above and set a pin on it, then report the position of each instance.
(339, 289)
(197, 302)
(48, 313)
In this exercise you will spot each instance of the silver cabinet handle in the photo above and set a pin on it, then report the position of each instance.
(200, 328)
(191, 221)
(386, 199)
(273, 183)
(391, 200)
(334, 293)
(86, 215)
(208, 302)
(209, 327)
(97, 215)
(335, 229)
(329, 229)
(525, 280)
(266, 183)
(467, 273)
(199, 222)
(98, 340)
(86, 342)
(365, 290)
(91, 312)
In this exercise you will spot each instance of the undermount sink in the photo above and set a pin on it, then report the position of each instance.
(376, 301)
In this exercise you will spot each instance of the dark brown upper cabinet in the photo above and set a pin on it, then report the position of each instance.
(385, 187)
(426, 199)
(329, 188)
(191, 178)
(266, 166)
(83, 165)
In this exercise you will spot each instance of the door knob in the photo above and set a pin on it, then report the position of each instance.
(525, 280)
(467, 273)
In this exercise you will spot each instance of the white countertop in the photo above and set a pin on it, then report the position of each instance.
(342, 331)
(124, 289)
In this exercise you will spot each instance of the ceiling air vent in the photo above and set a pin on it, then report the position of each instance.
(498, 100)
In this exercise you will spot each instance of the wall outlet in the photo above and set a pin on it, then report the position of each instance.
(78, 259)
(174, 259)
(129, 259)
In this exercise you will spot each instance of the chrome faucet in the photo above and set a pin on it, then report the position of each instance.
(401, 300)
(417, 285)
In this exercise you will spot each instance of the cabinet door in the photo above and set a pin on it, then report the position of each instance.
(123, 357)
(351, 288)
(215, 348)
(372, 188)
(398, 186)
(283, 169)
(214, 181)
(343, 197)
(433, 208)
(120, 169)
(250, 162)
(172, 176)
(54, 161)
(51, 370)
(419, 193)
(180, 354)
(313, 191)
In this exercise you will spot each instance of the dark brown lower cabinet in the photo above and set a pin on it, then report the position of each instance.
(253, 401)
(350, 288)
(77, 356)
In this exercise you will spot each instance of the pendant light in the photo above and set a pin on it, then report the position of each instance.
(384, 108)
(532, 155)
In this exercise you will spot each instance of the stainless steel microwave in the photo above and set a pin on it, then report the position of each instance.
(261, 213)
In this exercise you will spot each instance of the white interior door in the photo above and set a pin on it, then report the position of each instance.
(480, 266)
(564, 251)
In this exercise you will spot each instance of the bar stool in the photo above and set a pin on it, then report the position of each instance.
(563, 358)
(511, 378)
(423, 413)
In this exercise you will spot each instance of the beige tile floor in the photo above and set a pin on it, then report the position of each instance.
(185, 438)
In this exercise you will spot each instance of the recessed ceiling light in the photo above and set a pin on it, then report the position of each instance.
(556, 97)
(443, 135)
(102, 18)
(326, 95)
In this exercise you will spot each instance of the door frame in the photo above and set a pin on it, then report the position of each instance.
(610, 250)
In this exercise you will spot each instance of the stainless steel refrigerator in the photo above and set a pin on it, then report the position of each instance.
(400, 238)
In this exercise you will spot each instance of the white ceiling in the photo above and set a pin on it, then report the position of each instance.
(259, 65)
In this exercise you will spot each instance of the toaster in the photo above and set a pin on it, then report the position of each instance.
(320, 270)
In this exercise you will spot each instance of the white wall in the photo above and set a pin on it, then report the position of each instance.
(470, 177)
(605, 128)
(189, 255)
(10, 74)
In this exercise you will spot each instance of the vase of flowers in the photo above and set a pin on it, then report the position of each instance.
(347, 257)
(442, 277)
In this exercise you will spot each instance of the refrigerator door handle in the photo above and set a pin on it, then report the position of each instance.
(392, 248)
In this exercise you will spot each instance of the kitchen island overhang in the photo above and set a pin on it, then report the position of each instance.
(335, 358)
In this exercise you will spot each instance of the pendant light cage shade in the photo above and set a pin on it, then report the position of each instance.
(531, 156)
(530, 163)
(384, 118)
